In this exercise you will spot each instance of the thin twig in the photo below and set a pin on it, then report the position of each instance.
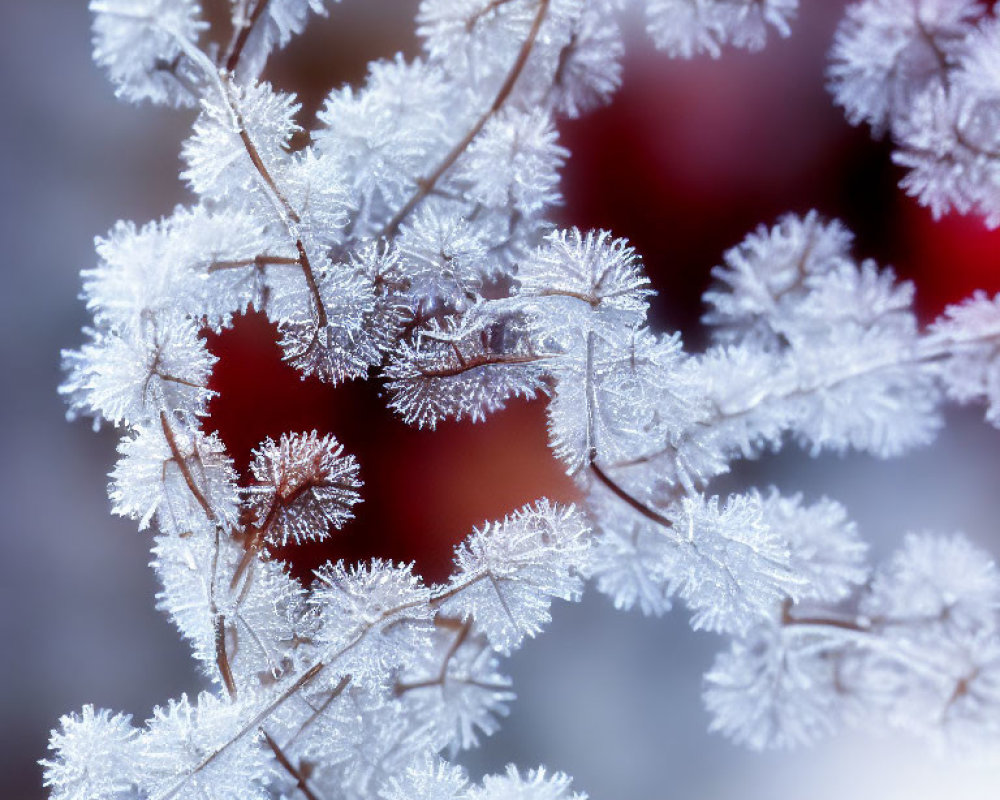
(222, 657)
(317, 712)
(241, 34)
(253, 725)
(478, 362)
(630, 500)
(289, 215)
(257, 261)
(290, 768)
(179, 458)
(453, 648)
(844, 623)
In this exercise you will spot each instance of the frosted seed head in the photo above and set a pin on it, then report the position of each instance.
(94, 756)
(304, 486)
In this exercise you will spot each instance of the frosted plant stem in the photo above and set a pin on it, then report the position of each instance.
(426, 185)
(257, 261)
(242, 31)
(290, 768)
(460, 637)
(222, 657)
(301, 682)
(251, 726)
(181, 462)
(479, 362)
(288, 215)
(866, 637)
(634, 503)
(926, 354)
(317, 712)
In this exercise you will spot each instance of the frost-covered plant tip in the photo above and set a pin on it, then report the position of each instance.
(928, 72)
(409, 242)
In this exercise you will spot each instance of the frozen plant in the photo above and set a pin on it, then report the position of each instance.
(928, 72)
(409, 242)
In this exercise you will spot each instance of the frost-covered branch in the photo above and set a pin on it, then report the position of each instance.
(927, 72)
(411, 242)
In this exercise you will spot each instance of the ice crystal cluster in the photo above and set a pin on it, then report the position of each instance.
(928, 72)
(409, 242)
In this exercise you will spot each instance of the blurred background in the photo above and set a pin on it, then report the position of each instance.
(688, 159)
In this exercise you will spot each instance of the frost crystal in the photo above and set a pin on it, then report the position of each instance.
(687, 28)
(367, 615)
(95, 756)
(140, 43)
(304, 486)
(773, 690)
(926, 72)
(508, 572)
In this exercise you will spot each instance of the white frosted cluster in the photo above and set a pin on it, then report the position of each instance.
(180, 738)
(148, 480)
(462, 702)
(141, 43)
(438, 780)
(688, 28)
(773, 689)
(454, 373)
(508, 572)
(972, 372)
(303, 486)
(216, 163)
(921, 654)
(95, 756)
(411, 241)
(371, 617)
(274, 26)
(927, 72)
(824, 546)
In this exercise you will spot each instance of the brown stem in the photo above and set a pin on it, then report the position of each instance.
(241, 35)
(469, 364)
(247, 559)
(490, 7)
(426, 185)
(290, 213)
(962, 687)
(589, 299)
(321, 318)
(166, 376)
(290, 768)
(632, 502)
(222, 657)
(279, 502)
(844, 623)
(183, 467)
(447, 593)
(337, 691)
(258, 164)
(590, 393)
(829, 622)
(457, 642)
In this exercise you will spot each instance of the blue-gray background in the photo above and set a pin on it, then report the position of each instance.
(612, 699)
